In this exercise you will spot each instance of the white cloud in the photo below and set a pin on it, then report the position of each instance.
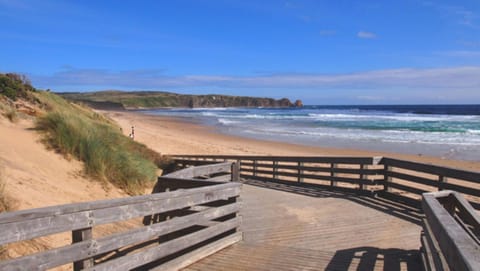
(460, 53)
(366, 35)
(448, 79)
(327, 32)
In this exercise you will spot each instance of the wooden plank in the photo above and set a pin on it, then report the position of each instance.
(457, 247)
(212, 169)
(319, 177)
(435, 257)
(333, 174)
(461, 189)
(175, 183)
(186, 173)
(467, 212)
(89, 248)
(363, 171)
(22, 215)
(362, 177)
(387, 179)
(198, 254)
(194, 162)
(435, 170)
(305, 159)
(146, 256)
(220, 179)
(80, 236)
(300, 172)
(407, 188)
(28, 229)
(275, 169)
(426, 254)
(411, 178)
(236, 171)
(193, 172)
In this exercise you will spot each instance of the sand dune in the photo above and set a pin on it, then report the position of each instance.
(37, 177)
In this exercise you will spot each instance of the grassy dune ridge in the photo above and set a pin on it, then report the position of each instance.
(108, 155)
(158, 99)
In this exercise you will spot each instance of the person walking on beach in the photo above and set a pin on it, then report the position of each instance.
(132, 134)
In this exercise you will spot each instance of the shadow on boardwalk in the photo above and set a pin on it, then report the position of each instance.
(386, 206)
(370, 258)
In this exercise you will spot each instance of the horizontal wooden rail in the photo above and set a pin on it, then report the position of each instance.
(450, 236)
(395, 179)
(410, 179)
(178, 220)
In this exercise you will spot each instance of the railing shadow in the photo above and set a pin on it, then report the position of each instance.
(386, 206)
(367, 258)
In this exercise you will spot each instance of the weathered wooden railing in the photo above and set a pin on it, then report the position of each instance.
(395, 179)
(450, 239)
(179, 227)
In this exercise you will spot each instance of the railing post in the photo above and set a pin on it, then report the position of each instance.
(236, 171)
(275, 169)
(387, 179)
(441, 180)
(254, 167)
(333, 174)
(79, 236)
(300, 172)
(362, 176)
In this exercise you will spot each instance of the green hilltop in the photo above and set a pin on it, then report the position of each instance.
(159, 99)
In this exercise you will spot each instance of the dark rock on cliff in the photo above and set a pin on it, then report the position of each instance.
(298, 103)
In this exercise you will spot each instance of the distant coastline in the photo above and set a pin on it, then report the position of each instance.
(446, 131)
(158, 100)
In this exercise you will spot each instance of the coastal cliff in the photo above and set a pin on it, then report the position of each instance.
(151, 99)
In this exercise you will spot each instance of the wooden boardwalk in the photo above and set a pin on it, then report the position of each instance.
(293, 228)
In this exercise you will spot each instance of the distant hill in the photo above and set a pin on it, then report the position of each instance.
(157, 99)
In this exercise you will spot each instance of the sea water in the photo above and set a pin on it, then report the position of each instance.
(447, 131)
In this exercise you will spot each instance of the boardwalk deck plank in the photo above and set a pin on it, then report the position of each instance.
(324, 231)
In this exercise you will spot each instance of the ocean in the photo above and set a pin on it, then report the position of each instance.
(447, 131)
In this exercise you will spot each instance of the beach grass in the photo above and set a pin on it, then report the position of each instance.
(108, 155)
(6, 202)
(8, 111)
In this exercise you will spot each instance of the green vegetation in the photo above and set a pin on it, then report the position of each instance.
(15, 86)
(8, 111)
(108, 155)
(156, 99)
(6, 203)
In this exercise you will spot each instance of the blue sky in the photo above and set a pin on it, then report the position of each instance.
(323, 52)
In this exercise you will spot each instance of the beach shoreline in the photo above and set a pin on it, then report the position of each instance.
(175, 135)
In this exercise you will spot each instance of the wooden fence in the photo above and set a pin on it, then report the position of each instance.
(451, 232)
(190, 220)
(398, 180)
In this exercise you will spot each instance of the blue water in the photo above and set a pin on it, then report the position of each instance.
(448, 131)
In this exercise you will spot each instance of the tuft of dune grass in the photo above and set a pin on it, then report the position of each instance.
(107, 154)
(5, 205)
(6, 202)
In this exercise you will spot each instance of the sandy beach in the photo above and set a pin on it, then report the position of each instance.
(169, 135)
